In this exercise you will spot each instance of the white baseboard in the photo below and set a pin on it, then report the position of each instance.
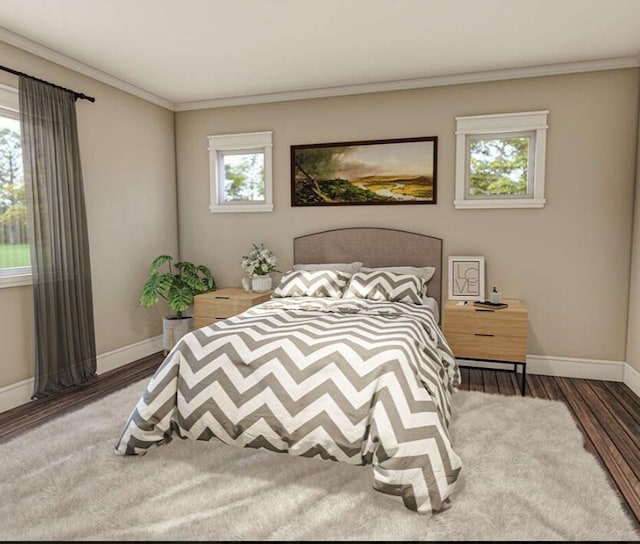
(127, 354)
(19, 393)
(632, 379)
(589, 369)
(15, 394)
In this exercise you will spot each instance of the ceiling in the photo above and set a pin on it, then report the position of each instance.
(202, 50)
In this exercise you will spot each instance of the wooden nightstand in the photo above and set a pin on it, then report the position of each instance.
(497, 336)
(223, 303)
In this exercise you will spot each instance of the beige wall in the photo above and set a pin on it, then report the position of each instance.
(568, 262)
(16, 324)
(128, 158)
(633, 332)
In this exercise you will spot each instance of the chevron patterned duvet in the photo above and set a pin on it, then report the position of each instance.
(356, 381)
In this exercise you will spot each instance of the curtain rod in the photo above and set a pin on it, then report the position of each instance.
(75, 94)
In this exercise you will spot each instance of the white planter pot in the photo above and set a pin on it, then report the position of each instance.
(173, 329)
(260, 283)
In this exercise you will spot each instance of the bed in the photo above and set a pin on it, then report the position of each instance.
(352, 375)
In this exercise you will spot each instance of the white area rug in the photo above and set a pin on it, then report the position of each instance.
(526, 476)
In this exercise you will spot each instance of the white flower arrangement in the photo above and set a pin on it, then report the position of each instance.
(260, 261)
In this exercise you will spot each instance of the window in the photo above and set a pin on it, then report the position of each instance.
(500, 160)
(15, 258)
(240, 172)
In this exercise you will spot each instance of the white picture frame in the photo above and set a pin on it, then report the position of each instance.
(466, 278)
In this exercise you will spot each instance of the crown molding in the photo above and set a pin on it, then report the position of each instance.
(68, 62)
(407, 84)
(326, 92)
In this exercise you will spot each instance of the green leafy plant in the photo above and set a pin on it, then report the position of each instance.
(177, 285)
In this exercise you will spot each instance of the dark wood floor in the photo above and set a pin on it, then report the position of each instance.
(25, 417)
(608, 413)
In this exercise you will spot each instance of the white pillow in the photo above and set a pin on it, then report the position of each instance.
(424, 272)
(385, 285)
(312, 283)
(351, 268)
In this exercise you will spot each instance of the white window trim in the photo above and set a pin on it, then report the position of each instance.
(251, 141)
(503, 124)
(21, 276)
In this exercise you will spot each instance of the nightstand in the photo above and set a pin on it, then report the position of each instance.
(222, 303)
(496, 336)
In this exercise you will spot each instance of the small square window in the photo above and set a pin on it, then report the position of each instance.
(243, 176)
(500, 160)
(499, 166)
(240, 167)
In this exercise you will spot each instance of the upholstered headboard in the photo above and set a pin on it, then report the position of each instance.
(373, 247)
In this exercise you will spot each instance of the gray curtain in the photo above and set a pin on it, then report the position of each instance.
(65, 350)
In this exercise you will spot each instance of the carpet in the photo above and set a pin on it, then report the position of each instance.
(526, 476)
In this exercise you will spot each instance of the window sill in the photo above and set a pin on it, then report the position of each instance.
(499, 203)
(231, 208)
(15, 281)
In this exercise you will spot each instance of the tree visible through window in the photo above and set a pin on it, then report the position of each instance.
(244, 177)
(498, 166)
(14, 249)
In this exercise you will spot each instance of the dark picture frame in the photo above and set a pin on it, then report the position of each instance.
(371, 172)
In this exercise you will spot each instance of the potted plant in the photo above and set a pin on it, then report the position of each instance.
(258, 265)
(177, 284)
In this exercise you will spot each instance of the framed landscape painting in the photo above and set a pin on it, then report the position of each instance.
(401, 171)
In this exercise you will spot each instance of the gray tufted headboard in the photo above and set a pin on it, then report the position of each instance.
(373, 247)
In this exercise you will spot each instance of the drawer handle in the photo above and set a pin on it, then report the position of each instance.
(226, 298)
(483, 334)
(484, 310)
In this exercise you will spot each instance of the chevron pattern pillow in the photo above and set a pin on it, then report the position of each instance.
(312, 283)
(384, 285)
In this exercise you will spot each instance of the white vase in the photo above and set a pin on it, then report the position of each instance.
(261, 283)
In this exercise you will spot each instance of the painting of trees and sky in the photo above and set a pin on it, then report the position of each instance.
(373, 172)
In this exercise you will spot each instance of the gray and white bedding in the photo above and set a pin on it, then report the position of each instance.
(432, 304)
(351, 380)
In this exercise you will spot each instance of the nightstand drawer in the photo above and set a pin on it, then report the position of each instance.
(224, 303)
(478, 346)
(496, 322)
(200, 322)
(220, 308)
